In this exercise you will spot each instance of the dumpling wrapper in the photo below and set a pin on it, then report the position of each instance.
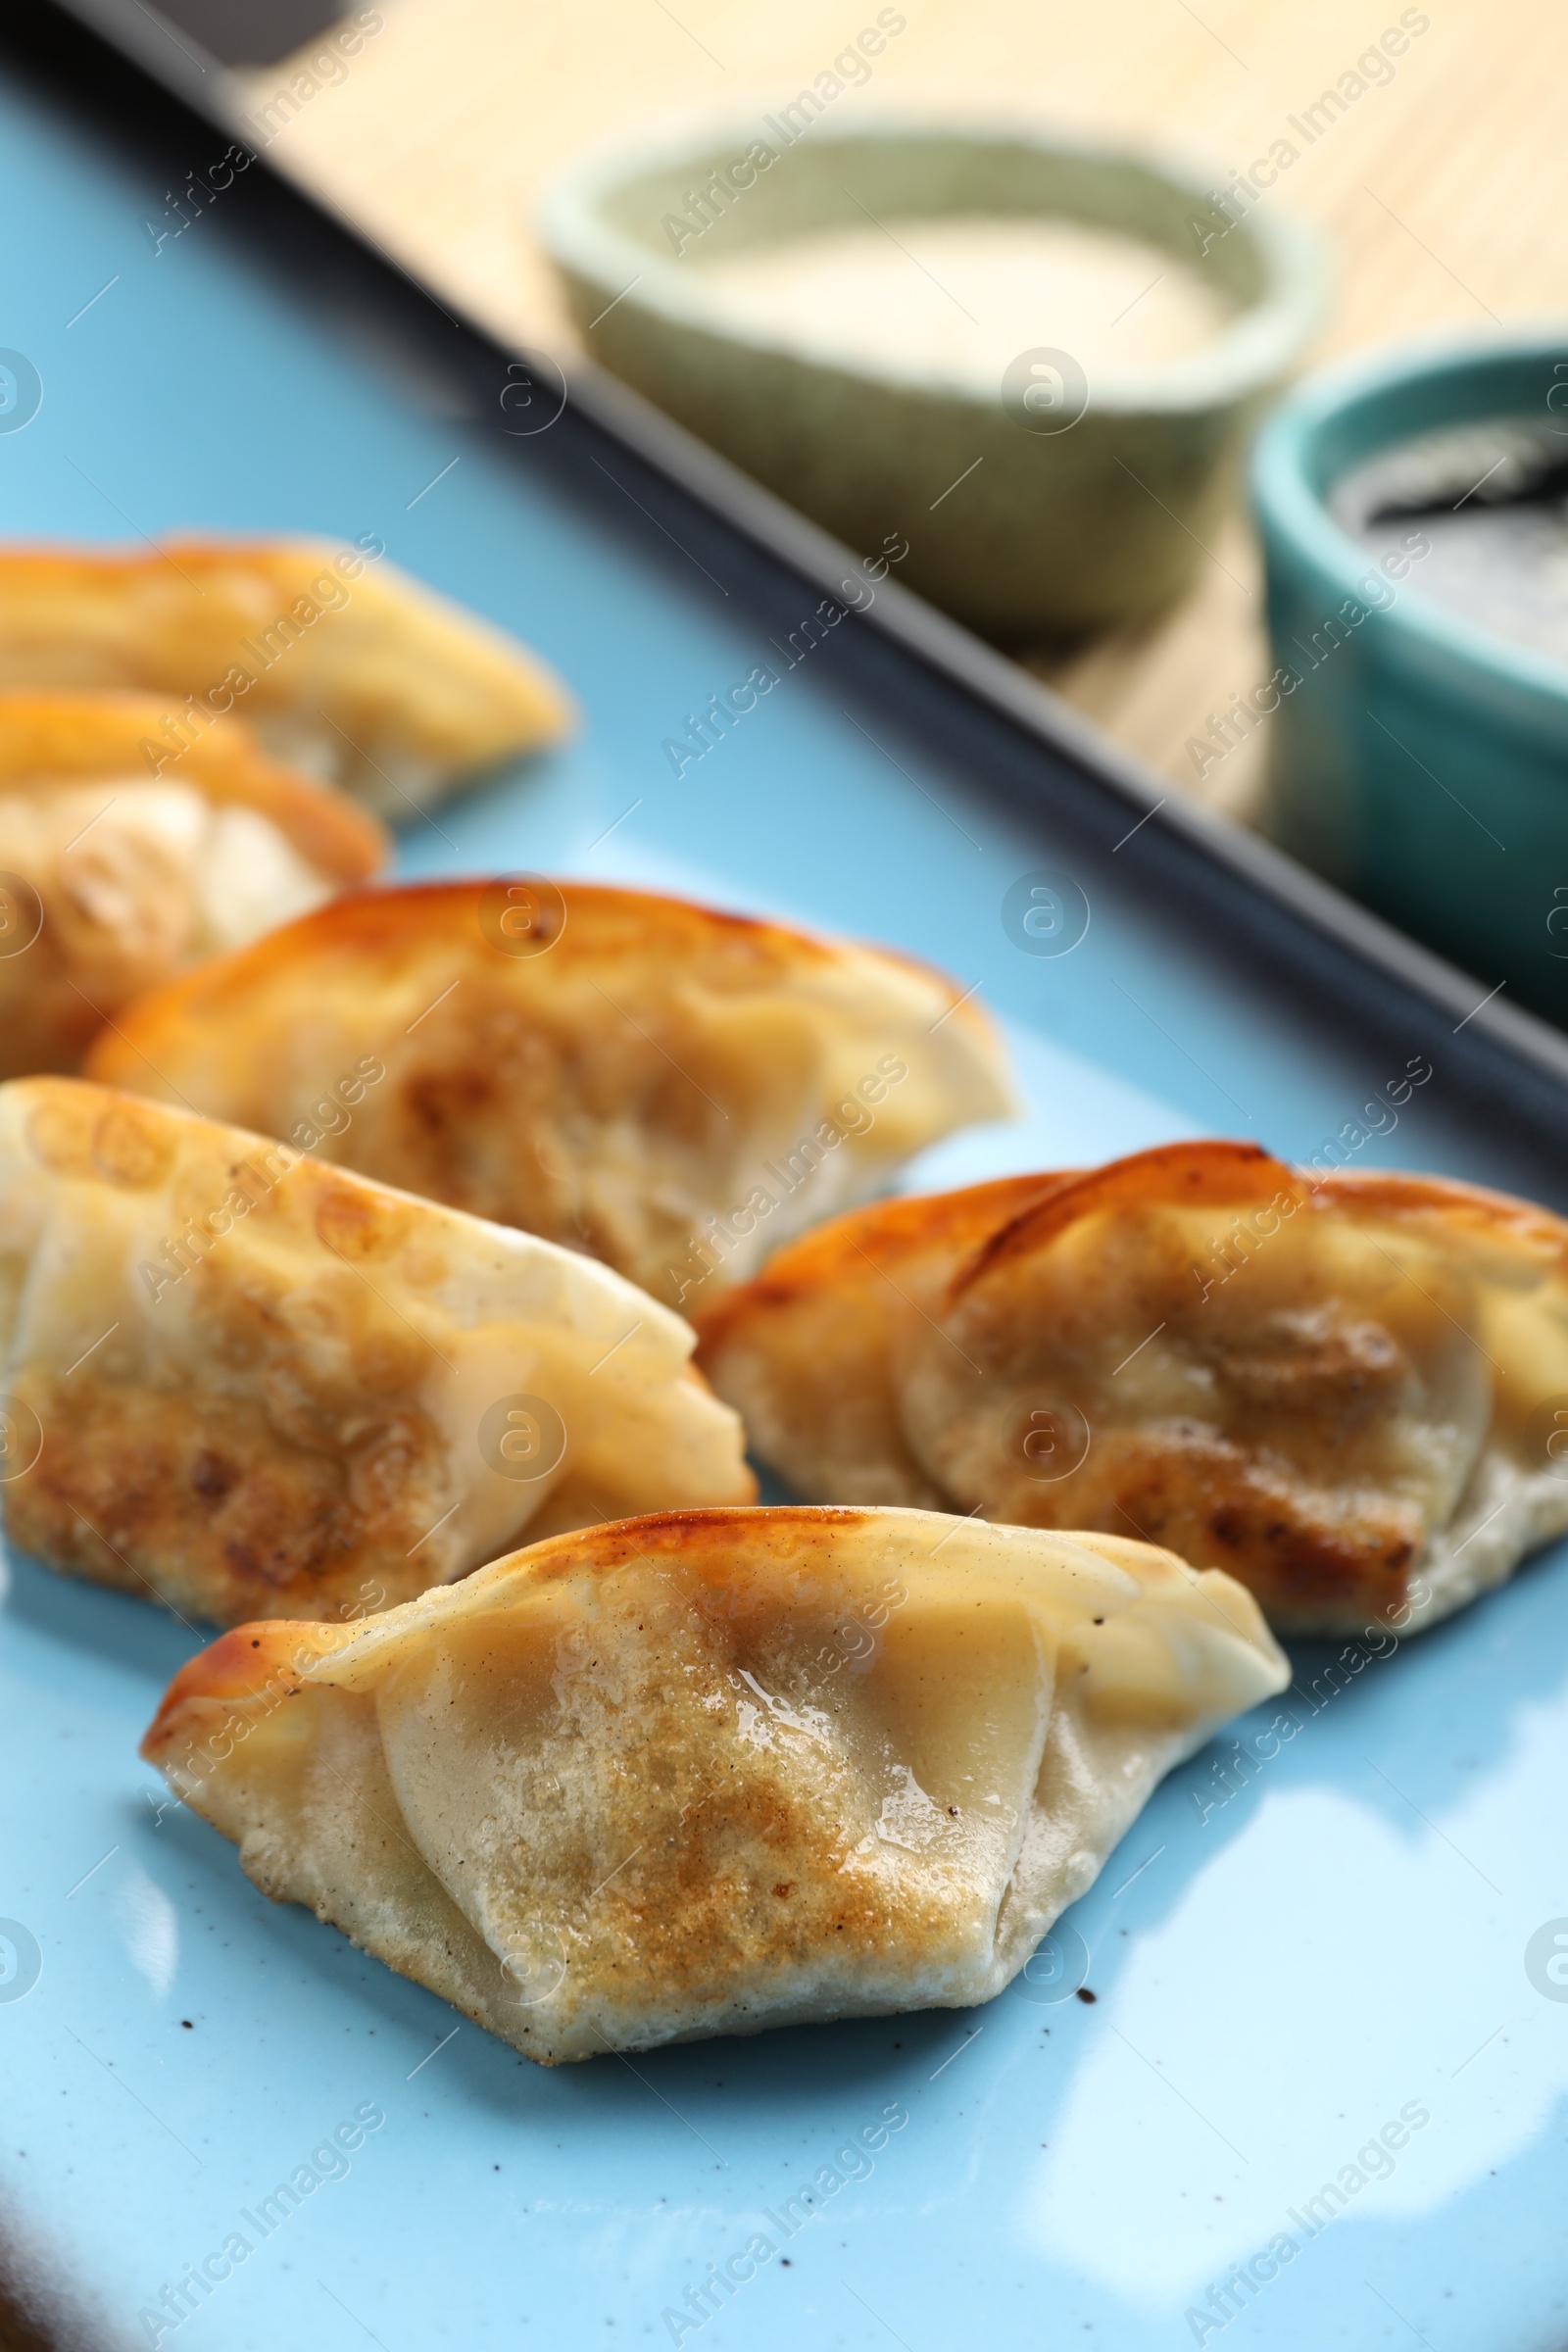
(112, 879)
(715, 1770)
(1349, 1390)
(345, 665)
(252, 1385)
(667, 1087)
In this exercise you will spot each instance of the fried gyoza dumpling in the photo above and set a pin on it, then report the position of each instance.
(112, 879)
(1350, 1392)
(252, 1386)
(345, 665)
(717, 1770)
(668, 1089)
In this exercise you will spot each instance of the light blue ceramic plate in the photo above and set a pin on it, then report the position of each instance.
(1290, 1953)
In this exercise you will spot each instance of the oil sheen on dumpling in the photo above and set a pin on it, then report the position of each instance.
(667, 1087)
(714, 1771)
(1350, 1392)
(345, 665)
(114, 878)
(251, 1386)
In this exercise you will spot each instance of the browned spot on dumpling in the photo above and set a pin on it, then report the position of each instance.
(1314, 1363)
(424, 1268)
(60, 1132)
(130, 1146)
(213, 1475)
(356, 1223)
(441, 1100)
(242, 1519)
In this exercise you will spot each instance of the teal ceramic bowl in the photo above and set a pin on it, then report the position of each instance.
(1419, 761)
(1043, 504)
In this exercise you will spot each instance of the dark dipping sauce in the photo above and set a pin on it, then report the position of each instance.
(1492, 499)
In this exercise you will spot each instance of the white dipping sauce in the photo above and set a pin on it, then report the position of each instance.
(962, 296)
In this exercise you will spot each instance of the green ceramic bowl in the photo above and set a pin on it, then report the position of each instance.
(1068, 522)
(1420, 761)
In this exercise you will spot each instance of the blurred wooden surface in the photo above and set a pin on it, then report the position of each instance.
(1441, 187)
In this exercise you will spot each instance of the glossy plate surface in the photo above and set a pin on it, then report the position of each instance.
(1307, 1937)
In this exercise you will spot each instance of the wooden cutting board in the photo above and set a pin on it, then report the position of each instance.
(1440, 184)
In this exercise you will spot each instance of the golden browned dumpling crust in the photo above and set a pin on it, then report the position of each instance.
(345, 665)
(1350, 1392)
(113, 878)
(252, 1385)
(670, 1089)
(712, 1771)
